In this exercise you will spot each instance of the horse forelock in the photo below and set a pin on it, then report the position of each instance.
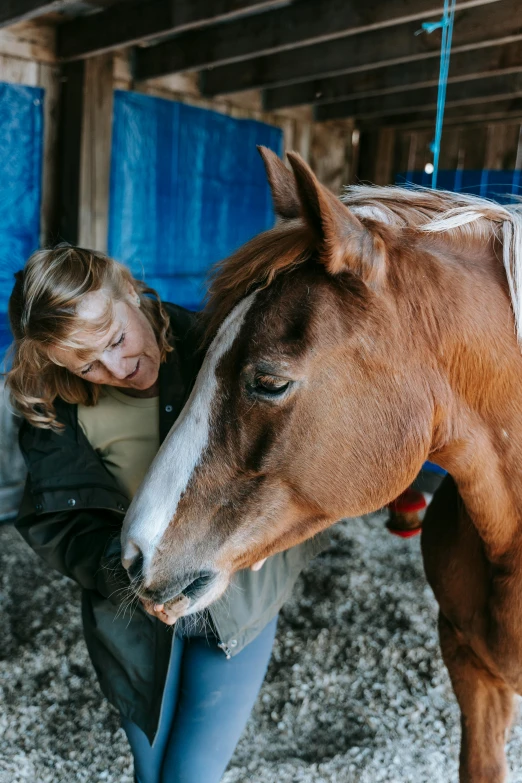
(460, 216)
(255, 265)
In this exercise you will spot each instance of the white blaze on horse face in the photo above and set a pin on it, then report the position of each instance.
(156, 501)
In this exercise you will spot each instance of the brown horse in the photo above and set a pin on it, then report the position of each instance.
(350, 343)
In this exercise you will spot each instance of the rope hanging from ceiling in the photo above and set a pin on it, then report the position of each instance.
(446, 25)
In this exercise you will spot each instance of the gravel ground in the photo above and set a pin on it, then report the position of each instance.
(356, 691)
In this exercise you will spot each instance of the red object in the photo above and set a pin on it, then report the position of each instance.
(408, 502)
(404, 511)
(404, 533)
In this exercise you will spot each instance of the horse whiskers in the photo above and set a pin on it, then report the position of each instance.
(131, 605)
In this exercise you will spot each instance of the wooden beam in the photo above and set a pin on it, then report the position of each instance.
(487, 61)
(130, 23)
(304, 22)
(96, 152)
(69, 150)
(12, 11)
(49, 79)
(477, 91)
(484, 25)
(33, 41)
(495, 111)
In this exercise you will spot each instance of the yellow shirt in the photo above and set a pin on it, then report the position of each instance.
(125, 432)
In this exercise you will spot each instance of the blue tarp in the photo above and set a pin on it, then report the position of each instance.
(21, 143)
(187, 188)
(488, 183)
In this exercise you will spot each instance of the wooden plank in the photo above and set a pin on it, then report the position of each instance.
(13, 11)
(508, 160)
(501, 147)
(493, 111)
(384, 157)
(474, 143)
(17, 71)
(331, 153)
(401, 151)
(450, 149)
(141, 21)
(496, 137)
(96, 152)
(49, 79)
(483, 25)
(302, 23)
(69, 148)
(459, 93)
(486, 61)
(29, 41)
(518, 155)
(368, 143)
(423, 153)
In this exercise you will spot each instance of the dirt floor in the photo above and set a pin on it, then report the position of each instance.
(356, 691)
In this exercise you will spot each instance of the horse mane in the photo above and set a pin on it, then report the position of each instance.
(254, 265)
(289, 243)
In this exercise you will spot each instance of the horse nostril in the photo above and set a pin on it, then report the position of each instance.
(135, 567)
(198, 584)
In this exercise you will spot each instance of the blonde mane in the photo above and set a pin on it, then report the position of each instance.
(290, 243)
(459, 214)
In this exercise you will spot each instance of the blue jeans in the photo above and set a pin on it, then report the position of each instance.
(206, 704)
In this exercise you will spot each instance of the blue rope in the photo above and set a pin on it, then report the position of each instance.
(446, 24)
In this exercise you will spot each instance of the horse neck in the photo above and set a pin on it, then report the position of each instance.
(479, 440)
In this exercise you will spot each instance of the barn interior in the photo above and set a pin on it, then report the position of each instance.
(131, 128)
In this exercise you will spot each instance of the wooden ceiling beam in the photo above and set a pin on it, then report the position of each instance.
(486, 61)
(297, 24)
(13, 11)
(506, 110)
(497, 22)
(478, 91)
(131, 23)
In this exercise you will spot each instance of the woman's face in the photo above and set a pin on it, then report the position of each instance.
(125, 355)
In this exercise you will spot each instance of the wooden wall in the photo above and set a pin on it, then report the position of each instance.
(387, 151)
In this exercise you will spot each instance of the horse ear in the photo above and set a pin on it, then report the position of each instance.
(345, 243)
(282, 184)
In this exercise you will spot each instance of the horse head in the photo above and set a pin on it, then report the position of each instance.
(319, 397)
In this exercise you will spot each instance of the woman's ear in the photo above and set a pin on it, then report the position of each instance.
(133, 296)
(345, 244)
(282, 185)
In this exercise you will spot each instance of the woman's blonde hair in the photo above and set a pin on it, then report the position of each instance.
(43, 315)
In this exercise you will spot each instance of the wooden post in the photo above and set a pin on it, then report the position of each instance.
(330, 155)
(84, 150)
(96, 152)
(384, 159)
(69, 146)
(368, 142)
(49, 80)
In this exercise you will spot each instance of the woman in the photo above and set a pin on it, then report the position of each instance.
(101, 369)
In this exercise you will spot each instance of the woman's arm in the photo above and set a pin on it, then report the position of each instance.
(83, 545)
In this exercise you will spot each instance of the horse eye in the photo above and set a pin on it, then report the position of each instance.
(269, 385)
